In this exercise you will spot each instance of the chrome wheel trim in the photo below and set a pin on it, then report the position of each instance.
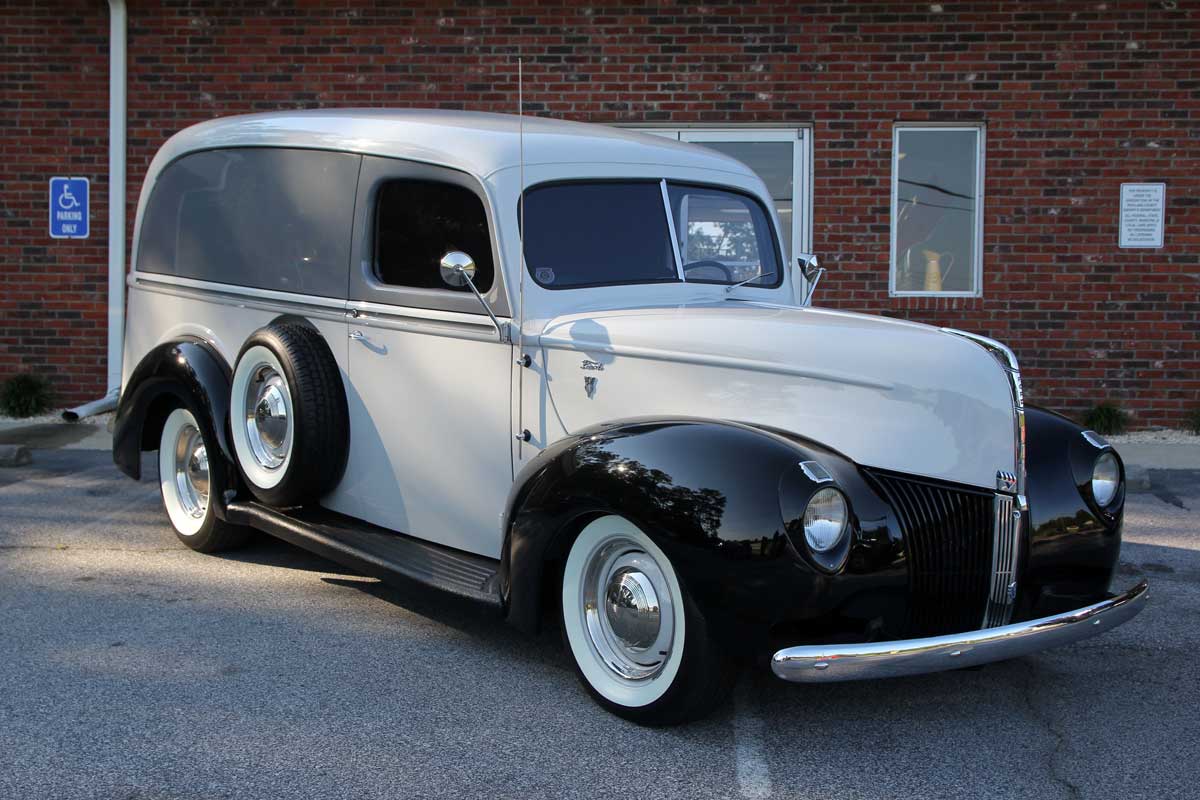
(262, 440)
(623, 612)
(183, 472)
(268, 416)
(627, 609)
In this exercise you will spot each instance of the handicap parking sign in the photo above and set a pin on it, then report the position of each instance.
(69, 208)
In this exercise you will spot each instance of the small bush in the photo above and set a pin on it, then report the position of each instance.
(1193, 420)
(25, 395)
(1106, 419)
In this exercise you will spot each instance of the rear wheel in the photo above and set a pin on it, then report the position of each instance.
(641, 647)
(187, 485)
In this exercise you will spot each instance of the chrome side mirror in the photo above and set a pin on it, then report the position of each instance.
(458, 269)
(812, 272)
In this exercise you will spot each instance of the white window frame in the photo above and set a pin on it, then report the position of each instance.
(977, 256)
(802, 190)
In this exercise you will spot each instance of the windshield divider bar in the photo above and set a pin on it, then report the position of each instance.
(671, 227)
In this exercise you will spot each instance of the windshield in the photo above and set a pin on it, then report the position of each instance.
(602, 233)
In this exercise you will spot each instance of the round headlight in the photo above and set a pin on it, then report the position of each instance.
(825, 520)
(1106, 475)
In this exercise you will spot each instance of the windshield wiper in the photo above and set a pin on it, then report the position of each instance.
(758, 277)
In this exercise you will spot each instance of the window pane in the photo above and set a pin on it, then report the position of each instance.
(418, 222)
(723, 237)
(595, 234)
(935, 213)
(263, 217)
(771, 161)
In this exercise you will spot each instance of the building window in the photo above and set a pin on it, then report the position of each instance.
(937, 211)
(780, 156)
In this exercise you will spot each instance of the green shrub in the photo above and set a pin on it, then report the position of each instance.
(1193, 420)
(1106, 419)
(25, 395)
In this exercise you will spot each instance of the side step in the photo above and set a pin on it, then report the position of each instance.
(391, 557)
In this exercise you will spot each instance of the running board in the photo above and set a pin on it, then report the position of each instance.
(391, 557)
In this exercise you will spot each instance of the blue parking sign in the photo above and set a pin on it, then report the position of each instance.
(69, 208)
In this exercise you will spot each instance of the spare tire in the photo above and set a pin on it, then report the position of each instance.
(288, 417)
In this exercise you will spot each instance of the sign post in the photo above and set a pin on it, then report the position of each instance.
(69, 218)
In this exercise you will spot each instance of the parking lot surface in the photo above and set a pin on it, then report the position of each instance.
(131, 668)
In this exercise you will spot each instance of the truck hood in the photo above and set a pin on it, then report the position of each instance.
(886, 393)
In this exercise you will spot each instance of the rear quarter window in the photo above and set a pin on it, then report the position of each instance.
(268, 218)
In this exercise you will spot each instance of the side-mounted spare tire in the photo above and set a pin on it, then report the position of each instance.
(288, 417)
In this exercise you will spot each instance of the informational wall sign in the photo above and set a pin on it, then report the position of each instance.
(1142, 206)
(69, 208)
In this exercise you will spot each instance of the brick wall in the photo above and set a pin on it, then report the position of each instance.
(1077, 97)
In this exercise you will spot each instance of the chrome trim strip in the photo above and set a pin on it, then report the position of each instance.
(428, 321)
(554, 341)
(1008, 360)
(815, 472)
(1006, 543)
(1096, 440)
(671, 229)
(278, 302)
(848, 662)
(233, 290)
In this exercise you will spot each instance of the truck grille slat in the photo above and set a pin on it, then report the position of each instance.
(951, 534)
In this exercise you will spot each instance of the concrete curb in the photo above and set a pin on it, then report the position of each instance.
(15, 455)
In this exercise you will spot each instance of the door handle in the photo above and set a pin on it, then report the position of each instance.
(357, 336)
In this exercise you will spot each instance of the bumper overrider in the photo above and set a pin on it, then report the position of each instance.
(850, 662)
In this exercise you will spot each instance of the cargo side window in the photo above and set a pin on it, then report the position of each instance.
(419, 221)
(269, 218)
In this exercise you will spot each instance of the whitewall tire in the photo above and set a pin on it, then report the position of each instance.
(287, 415)
(264, 421)
(188, 482)
(639, 644)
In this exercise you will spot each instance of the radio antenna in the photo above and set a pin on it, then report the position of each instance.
(523, 436)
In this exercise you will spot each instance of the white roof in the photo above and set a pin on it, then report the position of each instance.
(475, 142)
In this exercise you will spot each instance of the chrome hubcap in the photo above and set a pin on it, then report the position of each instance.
(191, 471)
(628, 611)
(268, 410)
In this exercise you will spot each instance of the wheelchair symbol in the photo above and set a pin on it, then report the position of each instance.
(66, 200)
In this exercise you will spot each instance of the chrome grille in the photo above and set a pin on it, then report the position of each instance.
(949, 532)
(1007, 540)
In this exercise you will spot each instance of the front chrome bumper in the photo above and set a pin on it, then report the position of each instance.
(852, 662)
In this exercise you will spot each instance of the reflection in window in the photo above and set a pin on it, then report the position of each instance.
(771, 161)
(723, 237)
(936, 220)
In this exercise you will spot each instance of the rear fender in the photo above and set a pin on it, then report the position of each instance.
(186, 372)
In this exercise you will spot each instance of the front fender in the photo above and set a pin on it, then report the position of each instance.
(714, 496)
(1073, 546)
(187, 372)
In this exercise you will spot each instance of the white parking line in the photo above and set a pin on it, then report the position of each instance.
(753, 775)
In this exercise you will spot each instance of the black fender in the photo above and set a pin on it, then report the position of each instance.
(1072, 544)
(721, 500)
(187, 371)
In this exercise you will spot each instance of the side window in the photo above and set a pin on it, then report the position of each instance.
(268, 218)
(419, 221)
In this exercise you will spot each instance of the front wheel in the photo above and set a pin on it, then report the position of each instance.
(187, 485)
(641, 647)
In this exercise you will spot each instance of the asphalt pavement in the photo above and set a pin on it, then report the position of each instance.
(133, 668)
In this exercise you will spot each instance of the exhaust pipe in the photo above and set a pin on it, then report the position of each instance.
(106, 403)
